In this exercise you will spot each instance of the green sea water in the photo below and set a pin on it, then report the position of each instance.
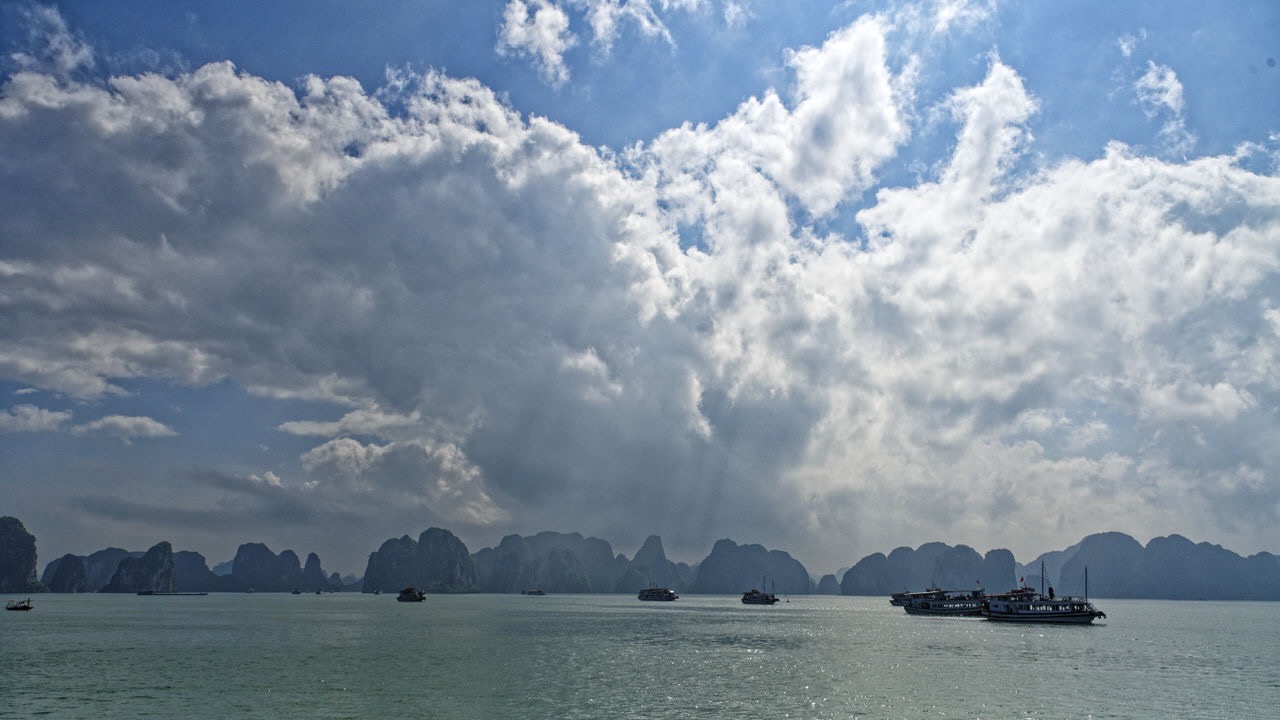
(612, 656)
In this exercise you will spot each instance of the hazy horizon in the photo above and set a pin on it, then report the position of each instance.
(212, 562)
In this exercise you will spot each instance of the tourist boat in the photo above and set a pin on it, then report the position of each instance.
(657, 593)
(19, 605)
(411, 594)
(1024, 604)
(757, 597)
(904, 597)
(946, 603)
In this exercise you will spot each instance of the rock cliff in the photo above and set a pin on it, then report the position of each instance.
(733, 568)
(555, 562)
(651, 568)
(1171, 567)
(930, 565)
(437, 562)
(66, 575)
(192, 573)
(17, 558)
(152, 572)
(257, 568)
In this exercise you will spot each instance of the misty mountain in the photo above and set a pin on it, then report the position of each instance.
(733, 568)
(1118, 566)
(1169, 567)
(553, 561)
(933, 564)
(437, 562)
(651, 568)
(827, 585)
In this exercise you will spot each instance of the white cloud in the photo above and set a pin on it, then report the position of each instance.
(435, 479)
(56, 48)
(844, 123)
(126, 428)
(29, 418)
(512, 314)
(1160, 94)
(539, 30)
(367, 421)
(605, 16)
(1129, 42)
(1159, 90)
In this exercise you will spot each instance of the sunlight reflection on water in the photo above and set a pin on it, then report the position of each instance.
(592, 656)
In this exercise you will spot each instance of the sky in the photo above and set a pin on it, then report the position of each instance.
(830, 277)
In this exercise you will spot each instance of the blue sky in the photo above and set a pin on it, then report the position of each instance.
(829, 277)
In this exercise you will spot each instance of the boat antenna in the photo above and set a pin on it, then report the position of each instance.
(1041, 578)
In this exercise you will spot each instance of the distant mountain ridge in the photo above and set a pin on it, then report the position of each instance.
(1117, 565)
(160, 569)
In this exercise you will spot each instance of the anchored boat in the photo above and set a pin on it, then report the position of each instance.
(947, 603)
(901, 599)
(411, 594)
(1026, 605)
(759, 597)
(657, 593)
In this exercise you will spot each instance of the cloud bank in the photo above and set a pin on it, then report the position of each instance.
(515, 331)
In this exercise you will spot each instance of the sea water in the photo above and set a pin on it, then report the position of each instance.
(612, 656)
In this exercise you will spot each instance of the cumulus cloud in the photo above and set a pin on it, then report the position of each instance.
(514, 332)
(538, 30)
(29, 418)
(844, 122)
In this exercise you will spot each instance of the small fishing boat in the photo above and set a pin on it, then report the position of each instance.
(411, 594)
(657, 593)
(19, 605)
(534, 591)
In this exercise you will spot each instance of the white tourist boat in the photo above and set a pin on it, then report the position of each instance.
(957, 603)
(904, 597)
(1027, 605)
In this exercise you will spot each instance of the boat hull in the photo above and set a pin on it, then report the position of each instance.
(1067, 618)
(957, 611)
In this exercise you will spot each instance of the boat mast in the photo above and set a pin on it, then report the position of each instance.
(1041, 578)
